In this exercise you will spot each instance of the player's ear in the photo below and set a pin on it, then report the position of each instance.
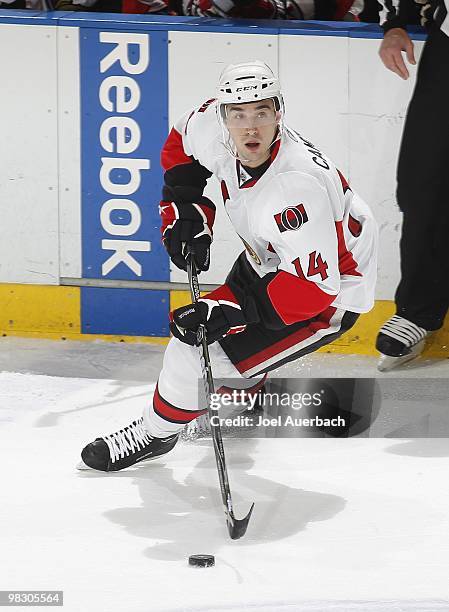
(278, 116)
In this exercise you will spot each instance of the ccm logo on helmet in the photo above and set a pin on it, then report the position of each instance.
(247, 88)
(291, 218)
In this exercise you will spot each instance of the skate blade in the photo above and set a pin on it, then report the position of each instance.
(84, 467)
(387, 363)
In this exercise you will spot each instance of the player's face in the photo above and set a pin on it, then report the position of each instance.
(252, 127)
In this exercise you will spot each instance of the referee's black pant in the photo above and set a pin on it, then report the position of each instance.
(423, 192)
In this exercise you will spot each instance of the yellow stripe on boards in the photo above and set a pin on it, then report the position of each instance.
(40, 309)
(53, 312)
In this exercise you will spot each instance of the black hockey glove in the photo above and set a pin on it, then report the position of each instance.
(188, 224)
(219, 311)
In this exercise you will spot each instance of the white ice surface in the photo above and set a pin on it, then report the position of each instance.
(339, 524)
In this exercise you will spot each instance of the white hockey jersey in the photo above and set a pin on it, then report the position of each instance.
(300, 220)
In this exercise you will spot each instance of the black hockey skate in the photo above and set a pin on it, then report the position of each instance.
(399, 341)
(124, 448)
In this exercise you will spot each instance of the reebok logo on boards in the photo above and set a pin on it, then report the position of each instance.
(119, 95)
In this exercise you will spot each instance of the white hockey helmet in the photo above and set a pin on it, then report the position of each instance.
(248, 82)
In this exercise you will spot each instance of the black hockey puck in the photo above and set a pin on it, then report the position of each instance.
(202, 560)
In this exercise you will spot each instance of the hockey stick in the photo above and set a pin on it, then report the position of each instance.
(236, 527)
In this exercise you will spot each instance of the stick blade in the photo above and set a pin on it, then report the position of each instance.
(237, 527)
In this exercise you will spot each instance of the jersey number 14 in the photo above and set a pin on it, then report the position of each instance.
(316, 266)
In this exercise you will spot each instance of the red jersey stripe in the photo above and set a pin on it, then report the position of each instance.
(173, 152)
(344, 182)
(224, 192)
(295, 299)
(346, 262)
(355, 227)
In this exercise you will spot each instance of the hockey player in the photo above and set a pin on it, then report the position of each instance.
(307, 271)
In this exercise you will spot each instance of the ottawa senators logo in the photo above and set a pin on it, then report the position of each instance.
(291, 218)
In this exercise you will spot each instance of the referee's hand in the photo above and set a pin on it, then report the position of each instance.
(394, 43)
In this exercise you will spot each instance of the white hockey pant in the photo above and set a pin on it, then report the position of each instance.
(179, 396)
